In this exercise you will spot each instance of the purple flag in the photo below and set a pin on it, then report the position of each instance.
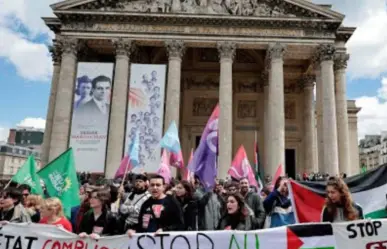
(205, 158)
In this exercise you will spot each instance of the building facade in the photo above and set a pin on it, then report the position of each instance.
(26, 136)
(373, 151)
(260, 60)
(12, 157)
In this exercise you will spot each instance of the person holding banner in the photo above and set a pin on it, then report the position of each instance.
(238, 215)
(184, 194)
(32, 205)
(132, 202)
(339, 206)
(99, 220)
(12, 209)
(159, 213)
(52, 214)
(254, 202)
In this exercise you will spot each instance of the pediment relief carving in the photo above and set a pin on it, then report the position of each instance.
(264, 8)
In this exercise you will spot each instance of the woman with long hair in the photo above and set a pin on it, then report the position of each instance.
(52, 214)
(99, 220)
(278, 206)
(184, 194)
(339, 206)
(278, 197)
(238, 215)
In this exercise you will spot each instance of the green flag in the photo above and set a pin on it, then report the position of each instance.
(27, 175)
(61, 180)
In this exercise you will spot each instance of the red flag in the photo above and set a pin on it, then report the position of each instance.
(241, 168)
(278, 173)
(307, 204)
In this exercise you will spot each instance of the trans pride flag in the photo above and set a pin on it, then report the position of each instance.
(204, 160)
(131, 159)
(171, 143)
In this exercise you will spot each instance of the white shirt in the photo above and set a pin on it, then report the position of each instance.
(101, 105)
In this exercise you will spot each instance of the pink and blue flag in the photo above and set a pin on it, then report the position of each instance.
(164, 169)
(204, 160)
(171, 143)
(131, 159)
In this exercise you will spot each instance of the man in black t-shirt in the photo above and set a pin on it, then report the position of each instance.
(159, 213)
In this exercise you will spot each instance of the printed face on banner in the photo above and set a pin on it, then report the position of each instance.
(146, 113)
(91, 110)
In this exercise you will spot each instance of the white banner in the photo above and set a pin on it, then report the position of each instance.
(146, 112)
(91, 109)
(363, 234)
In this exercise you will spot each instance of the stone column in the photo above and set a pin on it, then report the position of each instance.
(310, 163)
(55, 51)
(275, 106)
(325, 57)
(226, 56)
(320, 135)
(265, 129)
(175, 51)
(116, 138)
(342, 113)
(63, 101)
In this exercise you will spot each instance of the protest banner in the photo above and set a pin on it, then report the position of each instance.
(364, 234)
(37, 236)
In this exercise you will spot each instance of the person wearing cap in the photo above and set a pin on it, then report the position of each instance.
(131, 204)
(83, 91)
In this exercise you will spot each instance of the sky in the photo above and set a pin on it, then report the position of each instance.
(26, 67)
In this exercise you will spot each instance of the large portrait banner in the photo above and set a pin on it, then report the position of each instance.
(91, 109)
(146, 112)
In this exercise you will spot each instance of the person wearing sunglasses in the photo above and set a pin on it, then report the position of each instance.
(11, 209)
(26, 191)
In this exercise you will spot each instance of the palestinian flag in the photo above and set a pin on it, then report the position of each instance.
(304, 236)
(368, 190)
(310, 236)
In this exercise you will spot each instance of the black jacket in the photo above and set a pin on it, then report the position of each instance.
(190, 213)
(107, 221)
(255, 203)
(241, 224)
(171, 217)
(327, 217)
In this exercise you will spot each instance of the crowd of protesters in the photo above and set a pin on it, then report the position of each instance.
(144, 203)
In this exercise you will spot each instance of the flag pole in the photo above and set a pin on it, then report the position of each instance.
(122, 184)
(9, 182)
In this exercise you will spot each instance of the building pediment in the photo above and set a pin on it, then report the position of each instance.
(258, 8)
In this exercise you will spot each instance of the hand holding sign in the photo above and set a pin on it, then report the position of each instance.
(130, 233)
(83, 235)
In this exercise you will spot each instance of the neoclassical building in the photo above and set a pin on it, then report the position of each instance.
(259, 59)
